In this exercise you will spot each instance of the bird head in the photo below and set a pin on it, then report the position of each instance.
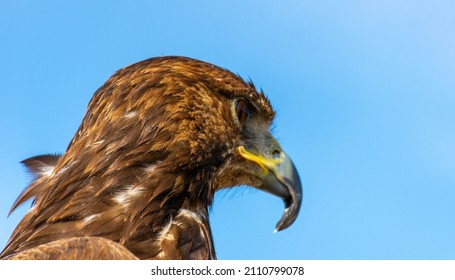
(199, 127)
(191, 118)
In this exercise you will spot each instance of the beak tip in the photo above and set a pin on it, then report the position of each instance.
(286, 220)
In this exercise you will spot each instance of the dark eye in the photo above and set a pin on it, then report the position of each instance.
(243, 111)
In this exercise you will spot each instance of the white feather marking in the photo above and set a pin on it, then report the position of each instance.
(97, 143)
(64, 168)
(46, 170)
(191, 214)
(89, 219)
(130, 115)
(164, 233)
(161, 255)
(126, 197)
(150, 168)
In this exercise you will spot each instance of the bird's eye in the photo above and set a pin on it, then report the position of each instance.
(243, 111)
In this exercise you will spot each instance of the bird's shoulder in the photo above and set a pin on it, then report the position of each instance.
(76, 248)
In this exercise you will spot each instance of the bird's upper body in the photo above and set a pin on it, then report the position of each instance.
(159, 138)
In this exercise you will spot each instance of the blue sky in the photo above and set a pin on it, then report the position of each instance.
(365, 94)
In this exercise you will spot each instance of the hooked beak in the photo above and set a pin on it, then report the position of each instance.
(279, 177)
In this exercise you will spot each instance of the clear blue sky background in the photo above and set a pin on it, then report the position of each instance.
(365, 93)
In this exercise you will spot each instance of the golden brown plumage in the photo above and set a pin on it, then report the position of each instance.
(159, 138)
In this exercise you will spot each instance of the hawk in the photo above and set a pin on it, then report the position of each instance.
(159, 138)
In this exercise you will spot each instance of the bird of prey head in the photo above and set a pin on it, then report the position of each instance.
(159, 138)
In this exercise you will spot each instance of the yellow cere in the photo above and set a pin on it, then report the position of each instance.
(264, 162)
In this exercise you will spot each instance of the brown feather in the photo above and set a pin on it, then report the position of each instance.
(139, 175)
(77, 248)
